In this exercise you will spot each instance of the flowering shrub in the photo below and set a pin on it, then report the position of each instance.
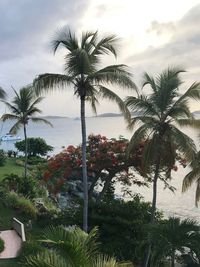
(106, 160)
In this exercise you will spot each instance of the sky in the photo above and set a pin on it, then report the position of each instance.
(153, 36)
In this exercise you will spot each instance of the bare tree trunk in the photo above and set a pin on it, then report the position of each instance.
(84, 166)
(153, 210)
(26, 153)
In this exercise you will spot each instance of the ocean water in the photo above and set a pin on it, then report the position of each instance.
(67, 131)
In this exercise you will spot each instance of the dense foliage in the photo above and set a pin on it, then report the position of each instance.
(35, 147)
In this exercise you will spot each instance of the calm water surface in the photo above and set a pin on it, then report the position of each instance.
(67, 131)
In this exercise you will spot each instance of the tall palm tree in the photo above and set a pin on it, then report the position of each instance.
(82, 71)
(71, 247)
(159, 114)
(193, 176)
(172, 236)
(23, 109)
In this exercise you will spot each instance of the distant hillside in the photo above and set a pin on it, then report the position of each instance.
(197, 112)
(109, 115)
(54, 117)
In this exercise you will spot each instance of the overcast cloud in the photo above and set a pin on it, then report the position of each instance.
(27, 27)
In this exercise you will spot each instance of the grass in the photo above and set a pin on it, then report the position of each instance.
(6, 214)
(9, 263)
(10, 167)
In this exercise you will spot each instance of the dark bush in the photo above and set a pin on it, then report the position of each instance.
(1, 245)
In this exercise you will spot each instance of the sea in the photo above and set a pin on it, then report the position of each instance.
(67, 131)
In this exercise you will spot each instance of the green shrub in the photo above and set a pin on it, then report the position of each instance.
(30, 247)
(36, 160)
(21, 203)
(25, 186)
(2, 157)
(1, 245)
(19, 162)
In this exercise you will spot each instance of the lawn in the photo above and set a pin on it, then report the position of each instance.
(10, 167)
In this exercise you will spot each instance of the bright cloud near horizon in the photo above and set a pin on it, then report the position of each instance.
(153, 35)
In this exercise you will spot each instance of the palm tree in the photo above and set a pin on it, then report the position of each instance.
(172, 236)
(159, 114)
(71, 247)
(193, 176)
(81, 71)
(23, 108)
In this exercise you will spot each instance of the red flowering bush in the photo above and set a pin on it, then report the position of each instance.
(106, 160)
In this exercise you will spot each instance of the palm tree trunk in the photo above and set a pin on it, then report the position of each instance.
(153, 209)
(84, 166)
(173, 259)
(26, 153)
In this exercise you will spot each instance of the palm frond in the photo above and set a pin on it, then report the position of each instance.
(16, 127)
(141, 134)
(193, 123)
(66, 38)
(184, 143)
(12, 108)
(149, 80)
(78, 63)
(106, 261)
(141, 105)
(2, 93)
(48, 81)
(41, 120)
(190, 178)
(7, 116)
(105, 46)
(113, 74)
(197, 195)
(46, 259)
(110, 95)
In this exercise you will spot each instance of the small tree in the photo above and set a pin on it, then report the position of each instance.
(23, 109)
(36, 147)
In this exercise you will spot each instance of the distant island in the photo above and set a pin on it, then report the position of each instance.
(54, 117)
(109, 115)
(197, 112)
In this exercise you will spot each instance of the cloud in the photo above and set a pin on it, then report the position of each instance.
(27, 27)
(183, 48)
(27, 24)
(161, 28)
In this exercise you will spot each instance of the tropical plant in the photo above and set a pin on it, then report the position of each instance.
(23, 108)
(174, 237)
(71, 247)
(81, 71)
(193, 176)
(36, 147)
(159, 114)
